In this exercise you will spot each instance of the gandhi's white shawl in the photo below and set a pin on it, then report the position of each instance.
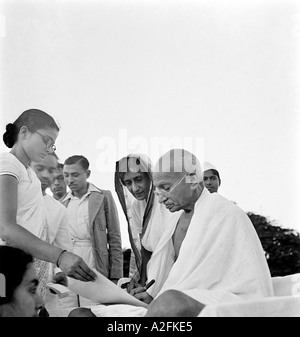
(221, 259)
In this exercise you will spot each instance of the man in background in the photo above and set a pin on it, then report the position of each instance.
(58, 186)
(57, 220)
(94, 222)
(211, 177)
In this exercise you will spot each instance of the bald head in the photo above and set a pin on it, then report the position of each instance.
(178, 162)
(175, 192)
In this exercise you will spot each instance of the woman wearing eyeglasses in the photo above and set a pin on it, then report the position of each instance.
(23, 223)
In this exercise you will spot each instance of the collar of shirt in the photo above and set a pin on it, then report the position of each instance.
(91, 188)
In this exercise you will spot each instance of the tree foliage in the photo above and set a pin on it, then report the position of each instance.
(281, 246)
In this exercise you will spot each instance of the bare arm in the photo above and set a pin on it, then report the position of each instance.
(17, 236)
(174, 303)
(14, 234)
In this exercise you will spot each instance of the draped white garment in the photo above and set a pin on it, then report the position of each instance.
(221, 259)
(284, 303)
(31, 210)
(160, 219)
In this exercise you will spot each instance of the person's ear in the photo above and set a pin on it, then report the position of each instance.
(88, 173)
(23, 132)
(193, 180)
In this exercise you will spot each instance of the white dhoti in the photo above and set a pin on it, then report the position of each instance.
(82, 248)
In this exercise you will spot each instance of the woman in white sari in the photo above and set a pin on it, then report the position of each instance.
(146, 217)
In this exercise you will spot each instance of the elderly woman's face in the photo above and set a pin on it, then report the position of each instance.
(26, 301)
(138, 184)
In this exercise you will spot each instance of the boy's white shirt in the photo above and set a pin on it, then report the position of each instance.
(57, 219)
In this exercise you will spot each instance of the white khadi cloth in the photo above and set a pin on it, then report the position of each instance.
(221, 259)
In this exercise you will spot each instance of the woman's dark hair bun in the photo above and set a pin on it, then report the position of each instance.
(10, 135)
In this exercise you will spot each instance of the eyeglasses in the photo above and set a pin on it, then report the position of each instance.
(48, 141)
(158, 191)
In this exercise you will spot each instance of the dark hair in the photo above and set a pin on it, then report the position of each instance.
(78, 159)
(13, 265)
(34, 119)
(60, 166)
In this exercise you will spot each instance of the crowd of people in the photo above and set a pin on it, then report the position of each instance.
(198, 247)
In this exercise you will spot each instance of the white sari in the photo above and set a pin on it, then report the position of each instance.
(31, 211)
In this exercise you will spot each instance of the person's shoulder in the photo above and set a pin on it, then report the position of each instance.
(10, 164)
(217, 197)
(94, 188)
(106, 193)
(53, 202)
(99, 192)
(225, 215)
(8, 157)
(225, 205)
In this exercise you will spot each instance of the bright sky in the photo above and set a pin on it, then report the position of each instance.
(220, 78)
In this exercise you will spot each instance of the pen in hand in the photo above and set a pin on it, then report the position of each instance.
(142, 289)
(148, 285)
(141, 293)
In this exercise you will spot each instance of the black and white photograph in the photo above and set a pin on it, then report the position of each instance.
(149, 162)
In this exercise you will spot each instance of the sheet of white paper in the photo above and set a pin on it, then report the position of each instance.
(104, 291)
